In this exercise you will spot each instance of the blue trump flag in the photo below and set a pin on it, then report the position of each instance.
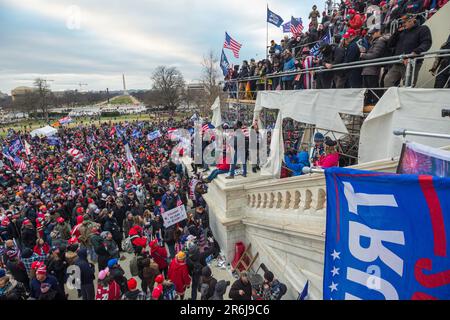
(154, 135)
(224, 64)
(273, 18)
(15, 147)
(387, 236)
(53, 141)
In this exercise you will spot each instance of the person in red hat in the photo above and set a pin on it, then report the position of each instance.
(356, 21)
(28, 234)
(133, 292)
(76, 229)
(43, 278)
(352, 54)
(160, 255)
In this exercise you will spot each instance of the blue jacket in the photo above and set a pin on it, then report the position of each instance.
(297, 162)
(289, 65)
(36, 286)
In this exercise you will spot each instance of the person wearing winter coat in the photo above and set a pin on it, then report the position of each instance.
(352, 54)
(57, 266)
(118, 274)
(148, 270)
(110, 244)
(107, 288)
(207, 284)
(331, 157)
(41, 248)
(441, 68)
(241, 288)
(133, 292)
(127, 224)
(28, 257)
(297, 162)
(28, 234)
(10, 289)
(99, 245)
(60, 233)
(87, 275)
(112, 226)
(411, 38)
(44, 279)
(179, 274)
(221, 288)
(17, 269)
(195, 263)
(371, 75)
(159, 255)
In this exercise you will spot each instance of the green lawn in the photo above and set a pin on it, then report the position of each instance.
(121, 100)
(25, 125)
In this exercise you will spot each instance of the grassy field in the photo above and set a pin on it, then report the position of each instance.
(121, 100)
(29, 125)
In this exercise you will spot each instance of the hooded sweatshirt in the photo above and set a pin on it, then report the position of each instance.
(179, 275)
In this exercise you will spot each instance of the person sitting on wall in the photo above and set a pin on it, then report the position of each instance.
(296, 161)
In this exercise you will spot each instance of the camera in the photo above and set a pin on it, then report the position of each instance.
(445, 113)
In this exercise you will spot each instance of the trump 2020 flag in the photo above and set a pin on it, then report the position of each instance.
(273, 18)
(224, 64)
(387, 236)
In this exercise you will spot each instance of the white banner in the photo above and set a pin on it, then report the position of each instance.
(174, 216)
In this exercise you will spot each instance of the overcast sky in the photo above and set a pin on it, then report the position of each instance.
(95, 41)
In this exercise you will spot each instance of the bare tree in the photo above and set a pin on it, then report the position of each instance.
(28, 102)
(44, 93)
(168, 84)
(210, 79)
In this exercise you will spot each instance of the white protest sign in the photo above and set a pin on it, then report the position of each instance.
(174, 216)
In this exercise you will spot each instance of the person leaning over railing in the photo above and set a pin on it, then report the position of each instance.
(411, 38)
(331, 54)
(377, 49)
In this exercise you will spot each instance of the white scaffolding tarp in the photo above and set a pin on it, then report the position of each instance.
(45, 131)
(317, 107)
(403, 108)
(217, 116)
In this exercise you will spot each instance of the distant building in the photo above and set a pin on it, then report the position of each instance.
(20, 91)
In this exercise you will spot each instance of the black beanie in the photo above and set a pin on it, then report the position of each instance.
(268, 275)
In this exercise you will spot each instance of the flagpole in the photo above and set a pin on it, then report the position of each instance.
(267, 33)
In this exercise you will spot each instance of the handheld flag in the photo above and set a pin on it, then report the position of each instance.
(15, 147)
(296, 26)
(6, 154)
(326, 39)
(232, 44)
(19, 163)
(224, 64)
(273, 18)
(154, 135)
(65, 120)
(90, 169)
(53, 141)
(304, 294)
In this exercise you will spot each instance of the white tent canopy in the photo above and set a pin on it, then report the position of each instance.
(405, 108)
(317, 107)
(45, 131)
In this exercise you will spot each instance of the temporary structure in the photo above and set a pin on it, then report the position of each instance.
(403, 108)
(47, 131)
(321, 108)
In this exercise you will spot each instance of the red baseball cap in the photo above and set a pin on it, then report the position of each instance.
(349, 33)
(351, 11)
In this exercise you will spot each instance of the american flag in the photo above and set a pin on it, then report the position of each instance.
(179, 202)
(172, 133)
(90, 169)
(19, 163)
(232, 44)
(296, 26)
(206, 128)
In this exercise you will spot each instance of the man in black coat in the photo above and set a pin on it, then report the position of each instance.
(87, 275)
(17, 268)
(352, 54)
(241, 288)
(28, 234)
(411, 38)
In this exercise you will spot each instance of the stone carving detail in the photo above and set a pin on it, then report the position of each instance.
(297, 198)
(271, 200)
(279, 200)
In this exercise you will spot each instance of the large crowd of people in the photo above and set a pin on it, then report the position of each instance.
(355, 35)
(81, 219)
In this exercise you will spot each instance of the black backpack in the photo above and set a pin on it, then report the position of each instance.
(283, 290)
